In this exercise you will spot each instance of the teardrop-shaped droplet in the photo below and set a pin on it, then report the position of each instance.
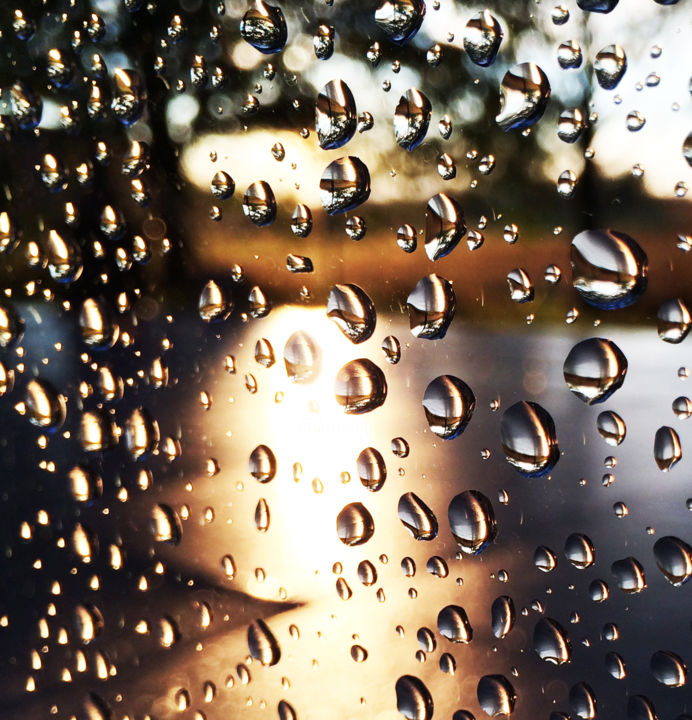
(262, 464)
(551, 642)
(674, 559)
(354, 524)
(400, 19)
(582, 700)
(525, 91)
(674, 321)
(302, 358)
(544, 559)
(262, 515)
(502, 616)
(8, 233)
(527, 433)
(444, 226)
(360, 387)
(579, 550)
(453, 624)
(166, 525)
(323, 42)
(609, 269)
(482, 38)
(668, 668)
(262, 644)
(431, 305)
(344, 185)
(610, 65)
(411, 119)
(417, 517)
(372, 470)
(141, 434)
(259, 204)
(594, 369)
(615, 666)
(367, 573)
(95, 324)
(449, 404)
(97, 431)
(212, 304)
(611, 427)
(11, 326)
(301, 220)
(639, 707)
(570, 125)
(392, 349)
(336, 116)
(222, 185)
(629, 575)
(520, 286)
(129, 96)
(45, 407)
(350, 308)
(496, 695)
(472, 521)
(667, 448)
(264, 27)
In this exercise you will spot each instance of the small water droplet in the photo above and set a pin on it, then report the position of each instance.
(502, 616)
(372, 470)
(323, 42)
(611, 427)
(667, 448)
(569, 55)
(259, 204)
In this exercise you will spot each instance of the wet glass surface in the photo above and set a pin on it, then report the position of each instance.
(343, 360)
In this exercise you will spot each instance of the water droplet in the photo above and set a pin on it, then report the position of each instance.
(417, 517)
(668, 668)
(579, 550)
(609, 269)
(482, 38)
(367, 573)
(11, 326)
(527, 433)
(360, 386)
(141, 434)
(566, 184)
(550, 641)
(570, 125)
(674, 559)
(582, 699)
(444, 226)
(406, 238)
(411, 119)
(400, 19)
(629, 575)
(264, 27)
(323, 42)
(222, 185)
(496, 695)
(262, 464)
(45, 407)
(302, 358)
(599, 6)
(372, 470)
(615, 666)
(610, 65)
(26, 106)
(525, 91)
(667, 448)
(259, 204)
(635, 121)
(674, 321)
(129, 96)
(349, 307)
(166, 525)
(520, 286)
(335, 115)
(569, 55)
(682, 407)
(262, 516)
(262, 643)
(453, 624)
(594, 369)
(212, 303)
(301, 220)
(544, 559)
(344, 185)
(502, 616)
(392, 349)
(472, 521)
(449, 404)
(354, 524)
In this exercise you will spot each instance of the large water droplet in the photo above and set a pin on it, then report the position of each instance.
(520, 286)
(629, 575)
(400, 19)
(350, 308)
(417, 517)
(335, 115)
(667, 448)
(360, 386)
(550, 641)
(302, 358)
(264, 27)
(609, 269)
(610, 65)
(453, 624)
(496, 695)
(301, 220)
(344, 185)
(668, 668)
(262, 643)
(579, 550)
(372, 470)
(599, 6)
(129, 96)
(444, 226)
(674, 321)
(639, 707)
(431, 305)
(674, 559)
(141, 434)
(449, 404)
(544, 559)
(615, 666)
(262, 464)
(527, 433)
(45, 407)
(212, 305)
(11, 326)
(570, 125)
(525, 91)
(354, 524)
(472, 521)
(259, 204)
(166, 525)
(582, 700)
(482, 38)
(411, 119)
(594, 369)
(611, 427)
(502, 616)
